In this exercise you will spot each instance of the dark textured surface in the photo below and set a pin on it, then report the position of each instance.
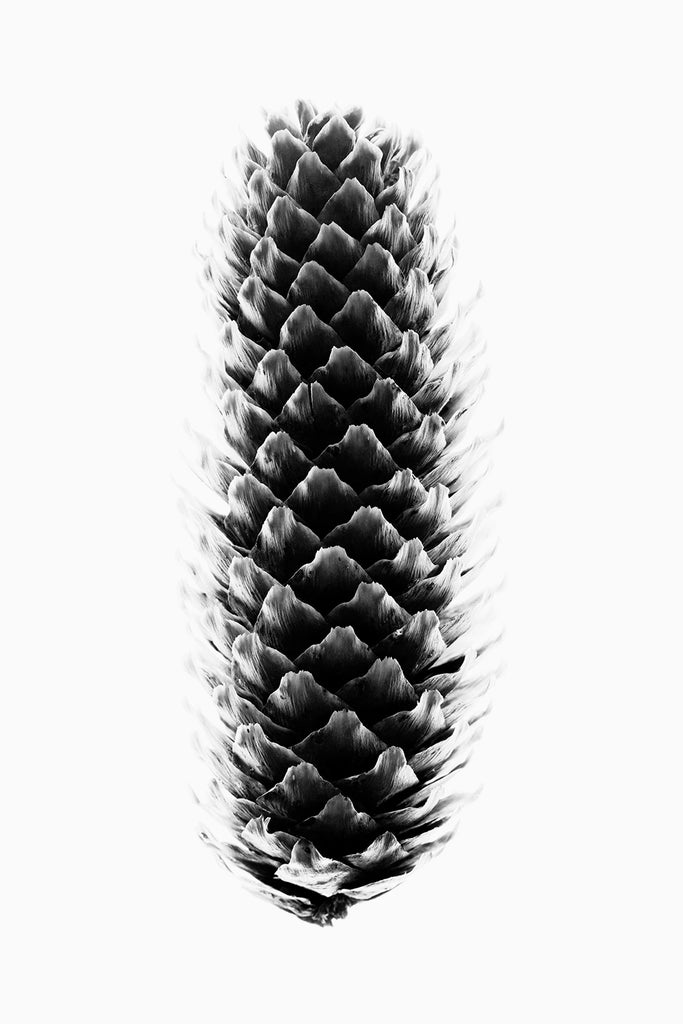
(330, 593)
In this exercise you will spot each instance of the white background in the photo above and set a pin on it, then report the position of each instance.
(558, 131)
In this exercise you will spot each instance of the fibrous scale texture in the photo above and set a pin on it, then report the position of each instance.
(335, 592)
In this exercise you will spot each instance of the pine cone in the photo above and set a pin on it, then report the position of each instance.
(333, 595)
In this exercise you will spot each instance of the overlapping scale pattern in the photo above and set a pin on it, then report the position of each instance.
(333, 596)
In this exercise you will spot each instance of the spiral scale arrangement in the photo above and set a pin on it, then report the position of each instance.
(334, 602)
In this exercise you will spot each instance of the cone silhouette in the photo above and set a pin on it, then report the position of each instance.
(332, 621)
